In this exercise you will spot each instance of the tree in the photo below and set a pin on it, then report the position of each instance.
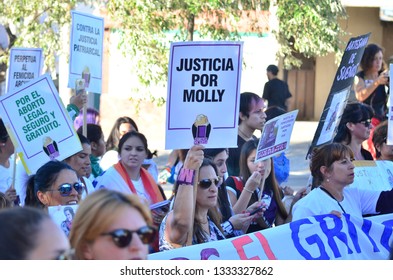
(307, 27)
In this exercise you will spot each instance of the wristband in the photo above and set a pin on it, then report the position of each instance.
(186, 177)
(247, 190)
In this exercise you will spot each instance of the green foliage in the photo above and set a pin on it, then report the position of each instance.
(146, 28)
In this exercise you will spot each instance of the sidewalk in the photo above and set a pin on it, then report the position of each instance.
(302, 135)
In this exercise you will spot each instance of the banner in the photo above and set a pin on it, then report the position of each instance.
(276, 135)
(25, 65)
(321, 237)
(339, 93)
(86, 51)
(203, 94)
(38, 124)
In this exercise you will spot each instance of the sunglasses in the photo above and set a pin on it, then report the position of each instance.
(66, 189)
(366, 123)
(123, 237)
(206, 183)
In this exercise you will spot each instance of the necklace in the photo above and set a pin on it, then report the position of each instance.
(329, 194)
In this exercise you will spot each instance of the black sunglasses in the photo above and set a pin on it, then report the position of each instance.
(123, 237)
(66, 189)
(366, 123)
(206, 183)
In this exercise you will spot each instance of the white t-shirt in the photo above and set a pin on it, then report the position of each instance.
(356, 202)
(6, 175)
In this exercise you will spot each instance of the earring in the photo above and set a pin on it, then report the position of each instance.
(327, 180)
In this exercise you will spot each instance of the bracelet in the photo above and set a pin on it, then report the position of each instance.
(227, 226)
(186, 177)
(247, 190)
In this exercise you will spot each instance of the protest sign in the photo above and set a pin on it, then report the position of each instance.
(276, 135)
(25, 64)
(321, 237)
(86, 51)
(373, 175)
(203, 94)
(339, 93)
(36, 119)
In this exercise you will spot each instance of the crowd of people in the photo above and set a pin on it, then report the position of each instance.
(217, 193)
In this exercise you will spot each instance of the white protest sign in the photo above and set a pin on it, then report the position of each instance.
(203, 94)
(276, 135)
(63, 215)
(36, 119)
(373, 175)
(86, 51)
(25, 64)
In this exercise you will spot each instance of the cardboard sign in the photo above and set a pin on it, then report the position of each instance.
(276, 135)
(25, 65)
(373, 175)
(339, 93)
(63, 215)
(203, 94)
(38, 124)
(86, 51)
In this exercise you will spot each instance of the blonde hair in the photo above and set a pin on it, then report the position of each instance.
(96, 213)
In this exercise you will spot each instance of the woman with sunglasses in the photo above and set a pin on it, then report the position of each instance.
(354, 129)
(332, 168)
(55, 183)
(232, 224)
(27, 233)
(194, 218)
(111, 225)
(245, 190)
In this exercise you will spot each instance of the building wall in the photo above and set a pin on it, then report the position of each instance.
(361, 20)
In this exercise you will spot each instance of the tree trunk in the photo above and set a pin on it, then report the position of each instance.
(190, 27)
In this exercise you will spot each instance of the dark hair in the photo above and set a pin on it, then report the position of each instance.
(213, 213)
(247, 100)
(4, 202)
(83, 139)
(273, 69)
(223, 202)
(3, 132)
(270, 182)
(368, 57)
(274, 111)
(379, 136)
(69, 209)
(131, 134)
(326, 155)
(45, 176)
(91, 117)
(94, 132)
(114, 136)
(354, 112)
(19, 230)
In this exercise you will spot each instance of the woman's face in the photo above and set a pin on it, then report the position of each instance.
(51, 242)
(68, 216)
(361, 130)
(341, 173)
(386, 152)
(207, 198)
(53, 196)
(221, 162)
(125, 128)
(104, 248)
(263, 167)
(133, 153)
(377, 62)
(80, 162)
(98, 148)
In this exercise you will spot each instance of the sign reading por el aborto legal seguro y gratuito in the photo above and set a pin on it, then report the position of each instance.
(36, 119)
(203, 94)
